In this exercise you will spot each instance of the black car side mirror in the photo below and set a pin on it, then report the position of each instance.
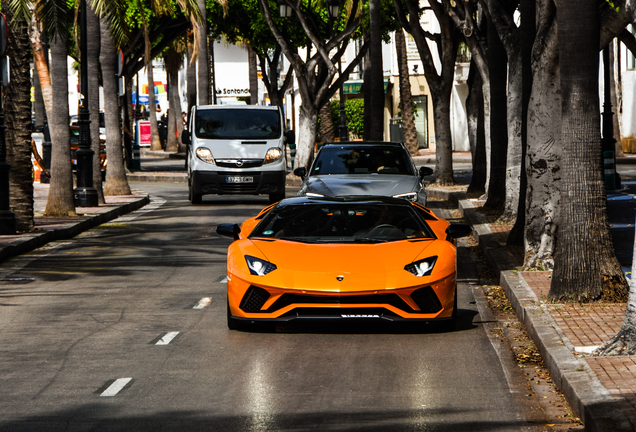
(229, 230)
(426, 171)
(185, 137)
(457, 230)
(300, 172)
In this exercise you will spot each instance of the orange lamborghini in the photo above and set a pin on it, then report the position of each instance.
(348, 258)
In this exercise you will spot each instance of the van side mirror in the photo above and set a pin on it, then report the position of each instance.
(185, 137)
(229, 230)
(426, 171)
(300, 172)
(290, 137)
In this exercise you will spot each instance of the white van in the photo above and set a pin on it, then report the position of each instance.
(235, 150)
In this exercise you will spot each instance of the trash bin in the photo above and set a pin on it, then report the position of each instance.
(395, 129)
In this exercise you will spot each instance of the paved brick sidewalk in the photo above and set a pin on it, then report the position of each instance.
(601, 390)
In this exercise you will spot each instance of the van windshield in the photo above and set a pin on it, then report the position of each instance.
(237, 124)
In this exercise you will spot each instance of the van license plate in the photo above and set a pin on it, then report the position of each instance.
(239, 179)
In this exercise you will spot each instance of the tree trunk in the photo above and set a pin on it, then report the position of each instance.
(615, 108)
(497, 73)
(60, 200)
(38, 103)
(191, 80)
(515, 146)
(585, 264)
(203, 72)
(543, 169)
(253, 72)
(17, 119)
(528, 32)
(116, 182)
(174, 113)
(93, 35)
(443, 138)
(373, 77)
(406, 101)
(40, 59)
(327, 130)
(155, 143)
(476, 138)
(306, 136)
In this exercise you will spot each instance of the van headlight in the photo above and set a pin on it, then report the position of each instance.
(205, 155)
(273, 155)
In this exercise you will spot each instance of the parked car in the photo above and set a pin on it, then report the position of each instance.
(364, 168)
(347, 258)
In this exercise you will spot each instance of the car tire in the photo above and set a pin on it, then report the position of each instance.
(276, 197)
(194, 197)
(233, 323)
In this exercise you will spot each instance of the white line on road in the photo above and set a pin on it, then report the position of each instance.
(224, 280)
(205, 301)
(116, 387)
(167, 338)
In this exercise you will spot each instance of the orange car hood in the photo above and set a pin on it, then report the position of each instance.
(364, 267)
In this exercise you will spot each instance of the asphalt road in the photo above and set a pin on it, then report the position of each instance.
(124, 328)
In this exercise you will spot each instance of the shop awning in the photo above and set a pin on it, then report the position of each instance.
(355, 86)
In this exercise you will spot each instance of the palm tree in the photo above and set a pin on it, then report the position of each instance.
(60, 200)
(203, 75)
(116, 181)
(406, 102)
(373, 78)
(92, 56)
(173, 59)
(17, 114)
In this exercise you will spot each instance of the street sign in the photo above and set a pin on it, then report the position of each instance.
(120, 63)
(4, 34)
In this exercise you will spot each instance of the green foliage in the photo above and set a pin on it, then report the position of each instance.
(354, 113)
(388, 19)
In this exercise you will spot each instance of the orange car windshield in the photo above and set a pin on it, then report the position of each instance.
(343, 223)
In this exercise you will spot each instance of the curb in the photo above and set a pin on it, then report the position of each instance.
(158, 177)
(29, 242)
(587, 396)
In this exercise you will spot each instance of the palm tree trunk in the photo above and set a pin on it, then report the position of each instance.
(373, 78)
(406, 101)
(327, 130)
(60, 200)
(203, 72)
(476, 137)
(116, 182)
(585, 264)
(174, 113)
(17, 119)
(41, 63)
(93, 35)
(251, 59)
(191, 80)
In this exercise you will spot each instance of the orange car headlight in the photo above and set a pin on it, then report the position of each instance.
(259, 267)
(422, 267)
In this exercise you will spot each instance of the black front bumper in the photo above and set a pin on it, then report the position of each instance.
(214, 182)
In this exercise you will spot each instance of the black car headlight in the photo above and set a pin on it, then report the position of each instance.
(410, 196)
(422, 267)
(259, 267)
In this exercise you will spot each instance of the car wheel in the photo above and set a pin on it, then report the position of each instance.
(276, 197)
(233, 323)
(194, 197)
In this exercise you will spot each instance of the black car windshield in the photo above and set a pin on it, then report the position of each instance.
(362, 160)
(237, 123)
(343, 223)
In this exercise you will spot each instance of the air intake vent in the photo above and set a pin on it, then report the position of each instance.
(254, 299)
(426, 300)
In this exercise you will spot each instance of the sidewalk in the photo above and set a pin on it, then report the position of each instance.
(48, 229)
(600, 390)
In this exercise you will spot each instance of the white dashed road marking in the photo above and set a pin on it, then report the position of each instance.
(167, 338)
(116, 387)
(224, 280)
(205, 301)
